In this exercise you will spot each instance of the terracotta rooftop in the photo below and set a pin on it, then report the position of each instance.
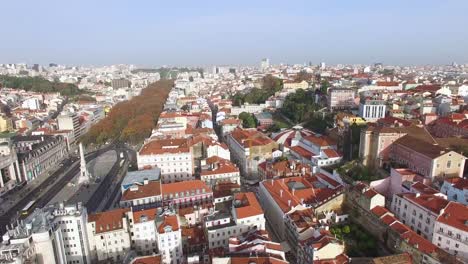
(426, 149)
(190, 186)
(109, 220)
(404, 258)
(144, 215)
(169, 220)
(257, 260)
(455, 215)
(161, 146)
(152, 188)
(249, 138)
(292, 191)
(431, 202)
(379, 211)
(248, 205)
(147, 260)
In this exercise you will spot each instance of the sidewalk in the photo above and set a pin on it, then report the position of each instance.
(11, 200)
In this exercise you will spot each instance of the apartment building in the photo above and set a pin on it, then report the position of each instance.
(71, 220)
(341, 98)
(317, 150)
(281, 196)
(169, 239)
(143, 231)
(109, 235)
(38, 154)
(245, 215)
(187, 194)
(142, 195)
(430, 160)
(456, 190)
(250, 148)
(418, 211)
(451, 230)
(372, 109)
(219, 170)
(173, 156)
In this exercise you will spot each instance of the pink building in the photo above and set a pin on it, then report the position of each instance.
(430, 160)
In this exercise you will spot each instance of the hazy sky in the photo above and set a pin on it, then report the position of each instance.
(155, 33)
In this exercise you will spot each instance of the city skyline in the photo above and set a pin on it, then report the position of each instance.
(212, 33)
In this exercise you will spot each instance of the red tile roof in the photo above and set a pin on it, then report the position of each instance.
(303, 191)
(161, 146)
(303, 152)
(331, 153)
(379, 211)
(169, 220)
(455, 215)
(144, 215)
(388, 219)
(418, 241)
(185, 186)
(257, 260)
(340, 259)
(109, 220)
(152, 188)
(249, 205)
(147, 260)
(431, 202)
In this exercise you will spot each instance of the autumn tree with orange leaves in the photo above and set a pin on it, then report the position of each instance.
(131, 121)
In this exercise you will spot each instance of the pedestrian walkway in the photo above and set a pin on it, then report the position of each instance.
(11, 199)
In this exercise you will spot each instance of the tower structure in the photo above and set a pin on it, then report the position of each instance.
(84, 174)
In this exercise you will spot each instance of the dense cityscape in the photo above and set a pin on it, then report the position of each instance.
(274, 163)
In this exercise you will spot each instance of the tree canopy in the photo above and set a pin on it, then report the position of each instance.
(40, 85)
(248, 120)
(131, 121)
(299, 106)
(270, 85)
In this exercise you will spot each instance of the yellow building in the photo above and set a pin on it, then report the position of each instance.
(295, 85)
(6, 124)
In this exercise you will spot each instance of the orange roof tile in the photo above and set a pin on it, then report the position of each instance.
(248, 206)
(109, 220)
(150, 189)
(161, 146)
(147, 260)
(184, 186)
(169, 220)
(455, 215)
(144, 215)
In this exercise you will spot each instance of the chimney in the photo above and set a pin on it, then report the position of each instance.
(289, 202)
(281, 193)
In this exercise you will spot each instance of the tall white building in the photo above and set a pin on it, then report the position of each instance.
(109, 235)
(143, 230)
(418, 211)
(173, 156)
(55, 234)
(264, 64)
(372, 109)
(71, 220)
(245, 215)
(169, 237)
(451, 230)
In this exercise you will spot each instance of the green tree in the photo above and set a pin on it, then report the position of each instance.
(346, 229)
(248, 120)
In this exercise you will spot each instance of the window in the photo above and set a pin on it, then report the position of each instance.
(449, 164)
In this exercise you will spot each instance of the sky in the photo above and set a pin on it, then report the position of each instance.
(200, 33)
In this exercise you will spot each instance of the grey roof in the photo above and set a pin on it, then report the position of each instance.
(139, 176)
